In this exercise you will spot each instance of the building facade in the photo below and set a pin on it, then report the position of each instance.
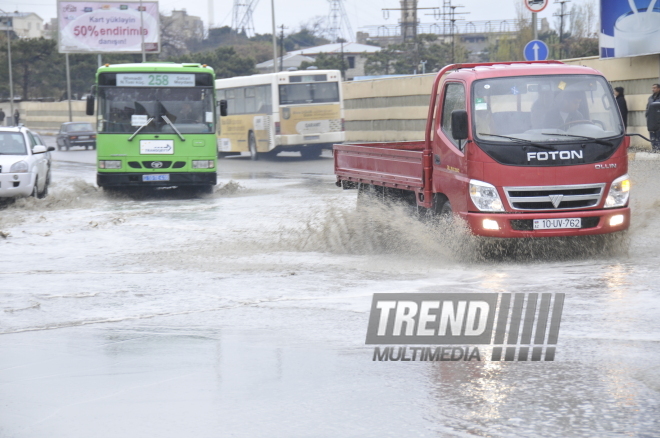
(23, 24)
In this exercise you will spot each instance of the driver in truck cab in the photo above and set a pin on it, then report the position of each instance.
(565, 112)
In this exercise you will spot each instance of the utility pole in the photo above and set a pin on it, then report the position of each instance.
(343, 66)
(11, 79)
(561, 16)
(282, 46)
(449, 10)
(272, 9)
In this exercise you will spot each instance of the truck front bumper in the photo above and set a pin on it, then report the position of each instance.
(117, 179)
(522, 224)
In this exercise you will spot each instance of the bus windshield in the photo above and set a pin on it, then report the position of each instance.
(189, 109)
(548, 108)
(315, 92)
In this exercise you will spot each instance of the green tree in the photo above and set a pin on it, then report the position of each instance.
(224, 60)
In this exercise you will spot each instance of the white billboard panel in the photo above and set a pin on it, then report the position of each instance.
(102, 27)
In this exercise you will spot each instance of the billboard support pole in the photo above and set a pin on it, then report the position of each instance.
(100, 61)
(144, 56)
(68, 86)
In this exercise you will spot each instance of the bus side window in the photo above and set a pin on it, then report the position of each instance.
(250, 100)
(239, 101)
(263, 99)
(231, 102)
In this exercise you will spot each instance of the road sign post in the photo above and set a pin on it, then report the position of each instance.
(536, 50)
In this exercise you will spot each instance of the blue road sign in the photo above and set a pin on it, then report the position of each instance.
(536, 50)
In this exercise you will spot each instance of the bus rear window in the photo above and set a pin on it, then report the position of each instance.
(292, 94)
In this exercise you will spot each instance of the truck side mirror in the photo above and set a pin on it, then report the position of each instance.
(89, 109)
(653, 119)
(459, 124)
(223, 108)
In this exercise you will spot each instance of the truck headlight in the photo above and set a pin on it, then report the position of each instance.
(485, 196)
(113, 164)
(19, 167)
(619, 192)
(203, 164)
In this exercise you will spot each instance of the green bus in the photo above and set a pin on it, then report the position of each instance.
(156, 125)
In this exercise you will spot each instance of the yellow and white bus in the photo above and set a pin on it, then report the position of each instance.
(286, 111)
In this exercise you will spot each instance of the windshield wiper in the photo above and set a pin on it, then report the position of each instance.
(594, 139)
(140, 129)
(521, 140)
(167, 120)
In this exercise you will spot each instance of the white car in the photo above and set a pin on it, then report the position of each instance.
(24, 163)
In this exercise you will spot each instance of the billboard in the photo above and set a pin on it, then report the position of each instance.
(629, 28)
(102, 27)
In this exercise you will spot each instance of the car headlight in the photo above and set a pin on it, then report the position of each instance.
(619, 192)
(485, 196)
(19, 167)
(203, 164)
(114, 164)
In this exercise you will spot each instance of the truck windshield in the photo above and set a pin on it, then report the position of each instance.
(123, 110)
(553, 108)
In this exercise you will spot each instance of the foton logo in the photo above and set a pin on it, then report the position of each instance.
(563, 155)
(606, 166)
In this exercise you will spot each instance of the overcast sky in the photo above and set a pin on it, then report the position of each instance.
(294, 13)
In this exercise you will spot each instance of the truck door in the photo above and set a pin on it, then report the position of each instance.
(449, 161)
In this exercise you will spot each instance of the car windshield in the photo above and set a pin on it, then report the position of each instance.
(124, 110)
(79, 127)
(12, 143)
(552, 108)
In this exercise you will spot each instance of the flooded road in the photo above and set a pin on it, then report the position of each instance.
(244, 313)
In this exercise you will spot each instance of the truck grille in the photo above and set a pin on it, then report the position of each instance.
(572, 197)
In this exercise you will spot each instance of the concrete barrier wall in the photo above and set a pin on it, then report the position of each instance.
(48, 116)
(395, 109)
(392, 109)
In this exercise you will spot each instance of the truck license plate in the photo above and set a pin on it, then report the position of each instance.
(554, 224)
(164, 177)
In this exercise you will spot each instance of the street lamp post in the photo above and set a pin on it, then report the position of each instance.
(11, 80)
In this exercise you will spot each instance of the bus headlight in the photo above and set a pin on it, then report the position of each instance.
(114, 164)
(485, 196)
(203, 164)
(19, 167)
(619, 192)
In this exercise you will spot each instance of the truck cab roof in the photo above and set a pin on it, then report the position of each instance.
(522, 69)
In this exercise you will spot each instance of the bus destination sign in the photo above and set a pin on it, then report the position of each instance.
(155, 80)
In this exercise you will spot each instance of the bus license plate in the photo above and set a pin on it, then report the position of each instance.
(554, 224)
(155, 177)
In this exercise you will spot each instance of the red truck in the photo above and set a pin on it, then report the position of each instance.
(517, 149)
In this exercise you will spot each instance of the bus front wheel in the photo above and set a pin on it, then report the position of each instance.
(252, 146)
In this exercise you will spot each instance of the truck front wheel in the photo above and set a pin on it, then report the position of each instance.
(445, 210)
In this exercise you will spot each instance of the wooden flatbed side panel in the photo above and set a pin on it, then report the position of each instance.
(380, 166)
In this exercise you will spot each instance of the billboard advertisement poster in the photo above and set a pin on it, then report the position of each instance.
(108, 27)
(629, 28)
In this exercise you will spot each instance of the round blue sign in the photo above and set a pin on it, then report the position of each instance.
(536, 50)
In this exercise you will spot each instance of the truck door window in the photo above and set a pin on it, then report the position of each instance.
(454, 100)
